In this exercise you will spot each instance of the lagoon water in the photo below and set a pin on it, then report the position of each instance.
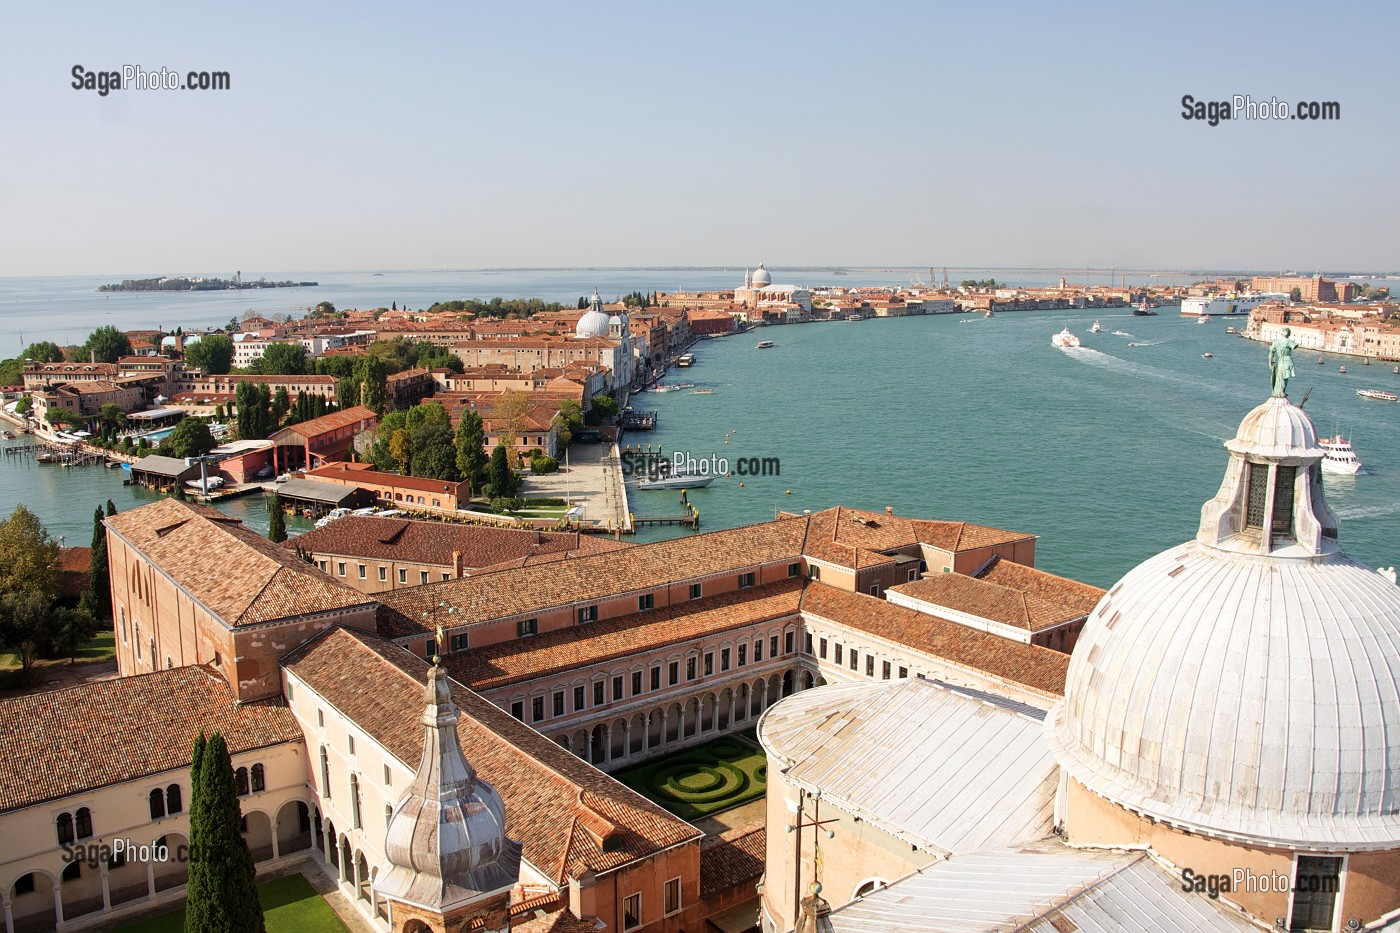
(1106, 452)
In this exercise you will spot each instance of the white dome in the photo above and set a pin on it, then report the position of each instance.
(592, 324)
(761, 278)
(1247, 692)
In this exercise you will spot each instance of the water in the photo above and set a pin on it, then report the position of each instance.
(1106, 452)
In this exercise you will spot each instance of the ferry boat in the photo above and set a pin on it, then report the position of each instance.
(1338, 457)
(677, 481)
(1231, 305)
(1379, 395)
(1064, 340)
(1231, 330)
(1144, 310)
(763, 345)
(1203, 319)
(685, 359)
(1096, 328)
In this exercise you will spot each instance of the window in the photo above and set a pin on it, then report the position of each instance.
(173, 801)
(289, 691)
(794, 569)
(656, 677)
(526, 627)
(821, 649)
(903, 673)
(807, 644)
(875, 590)
(403, 575)
(617, 688)
(1316, 881)
(536, 709)
(362, 571)
(690, 668)
(578, 699)
(773, 646)
(598, 693)
(65, 828)
(855, 659)
(559, 703)
(870, 665)
(355, 799)
(636, 682)
(517, 709)
(422, 576)
(240, 782)
(383, 573)
(157, 798)
(695, 590)
(913, 575)
(673, 673)
(430, 650)
(588, 614)
(1258, 492)
(447, 576)
(645, 601)
(724, 659)
(789, 639)
(340, 568)
(884, 670)
(631, 911)
(814, 572)
(1283, 500)
(709, 663)
(388, 815)
(673, 896)
(743, 653)
(350, 744)
(325, 773)
(758, 651)
(745, 580)
(837, 654)
(388, 777)
(460, 641)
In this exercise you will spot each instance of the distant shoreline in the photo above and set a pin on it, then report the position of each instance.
(180, 284)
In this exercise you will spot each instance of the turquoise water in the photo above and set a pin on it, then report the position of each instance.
(1106, 452)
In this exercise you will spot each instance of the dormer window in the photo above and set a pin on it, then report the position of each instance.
(1283, 501)
(1258, 495)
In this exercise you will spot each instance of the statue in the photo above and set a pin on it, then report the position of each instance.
(1281, 362)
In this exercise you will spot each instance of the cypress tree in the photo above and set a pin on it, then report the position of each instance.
(111, 509)
(222, 895)
(276, 521)
(100, 583)
(197, 880)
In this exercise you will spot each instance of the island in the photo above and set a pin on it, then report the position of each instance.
(197, 284)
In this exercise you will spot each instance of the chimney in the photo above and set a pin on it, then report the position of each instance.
(889, 510)
(457, 564)
(92, 356)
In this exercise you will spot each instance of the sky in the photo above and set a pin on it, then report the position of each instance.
(463, 135)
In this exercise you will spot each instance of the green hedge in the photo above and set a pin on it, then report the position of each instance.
(703, 780)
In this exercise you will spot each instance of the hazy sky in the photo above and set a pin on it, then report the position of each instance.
(363, 136)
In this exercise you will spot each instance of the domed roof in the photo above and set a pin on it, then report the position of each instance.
(1244, 685)
(594, 322)
(761, 278)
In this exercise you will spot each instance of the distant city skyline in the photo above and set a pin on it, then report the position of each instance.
(628, 136)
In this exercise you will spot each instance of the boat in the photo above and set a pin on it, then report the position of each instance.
(8, 435)
(1205, 356)
(1138, 343)
(1342, 369)
(331, 516)
(1097, 328)
(673, 388)
(989, 313)
(1064, 340)
(1338, 457)
(1231, 330)
(1230, 305)
(1121, 333)
(685, 359)
(215, 482)
(1203, 319)
(1144, 310)
(264, 473)
(677, 481)
(1379, 395)
(703, 392)
(763, 345)
(1320, 361)
(283, 478)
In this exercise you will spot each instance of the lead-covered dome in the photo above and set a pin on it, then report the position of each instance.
(593, 323)
(1246, 685)
(761, 278)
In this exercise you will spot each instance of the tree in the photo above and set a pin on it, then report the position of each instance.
(434, 454)
(276, 520)
(324, 307)
(221, 895)
(111, 417)
(254, 419)
(283, 359)
(24, 406)
(106, 344)
(501, 481)
(471, 450)
(111, 509)
(72, 627)
(191, 438)
(1296, 295)
(28, 556)
(401, 449)
(100, 581)
(26, 625)
(43, 351)
(212, 353)
(281, 404)
(605, 407)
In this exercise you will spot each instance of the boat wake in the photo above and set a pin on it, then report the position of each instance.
(1116, 364)
(1368, 511)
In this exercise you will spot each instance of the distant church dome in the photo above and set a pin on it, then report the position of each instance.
(761, 278)
(594, 322)
(1244, 685)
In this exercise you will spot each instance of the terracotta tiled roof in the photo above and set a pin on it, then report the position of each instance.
(75, 559)
(600, 576)
(1079, 596)
(989, 601)
(423, 542)
(1039, 668)
(361, 473)
(554, 802)
(732, 858)
(238, 575)
(857, 538)
(964, 536)
(327, 423)
(598, 642)
(560, 921)
(80, 738)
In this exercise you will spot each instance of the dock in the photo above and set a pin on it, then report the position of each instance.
(638, 420)
(691, 519)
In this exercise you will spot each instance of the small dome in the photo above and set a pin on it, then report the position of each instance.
(761, 278)
(1276, 429)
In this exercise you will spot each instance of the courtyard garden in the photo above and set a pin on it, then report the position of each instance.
(703, 780)
(289, 903)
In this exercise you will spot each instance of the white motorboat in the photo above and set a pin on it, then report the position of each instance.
(215, 482)
(763, 345)
(1064, 340)
(1338, 456)
(1097, 328)
(331, 516)
(677, 481)
(1379, 395)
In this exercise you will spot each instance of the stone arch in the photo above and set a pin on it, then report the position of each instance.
(598, 747)
(362, 877)
(127, 882)
(415, 926)
(617, 739)
(656, 728)
(33, 910)
(741, 702)
(346, 862)
(318, 838)
(757, 693)
(580, 744)
(293, 827)
(674, 714)
(775, 688)
(808, 681)
(637, 738)
(258, 834)
(175, 871)
(709, 706)
(563, 740)
(80, 890)
(726, 707)
(789, 683)
(332, 845)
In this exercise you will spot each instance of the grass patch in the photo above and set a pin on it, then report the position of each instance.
(290, 905)
(703, 780)
(101, 648)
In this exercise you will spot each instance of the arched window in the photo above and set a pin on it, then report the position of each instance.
(240, 781)
(259, 783)
(84, 823)
(173, 799)
(157, 797)
(355, 799)
(325, 773)
(65, 828)
(388, 815)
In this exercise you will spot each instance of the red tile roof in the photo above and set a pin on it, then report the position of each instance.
(356, 474)
(987, 600)
(328, 423)
(732, 858)
(106, 732)
(1079, 596)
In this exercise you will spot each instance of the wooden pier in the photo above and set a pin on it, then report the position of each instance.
(638, 420)
(61, 454)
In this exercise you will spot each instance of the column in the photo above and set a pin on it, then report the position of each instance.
(661, 739)
(9, 914)
(607, 744)
(151, 878)
(58, 900)
(730, 720)
(275, 853)
(106, 891)
(626, 737)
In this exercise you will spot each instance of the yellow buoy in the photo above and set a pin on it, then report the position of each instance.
(741, 485)
(789, 492)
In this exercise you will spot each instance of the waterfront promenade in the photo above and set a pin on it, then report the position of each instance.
(592, 479)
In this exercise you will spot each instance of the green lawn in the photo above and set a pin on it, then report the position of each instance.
(703, 780)
(101, 648)
(290, 905)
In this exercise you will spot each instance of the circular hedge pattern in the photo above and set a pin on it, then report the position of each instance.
(694, 782)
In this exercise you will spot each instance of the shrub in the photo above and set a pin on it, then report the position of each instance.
(542, 464)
